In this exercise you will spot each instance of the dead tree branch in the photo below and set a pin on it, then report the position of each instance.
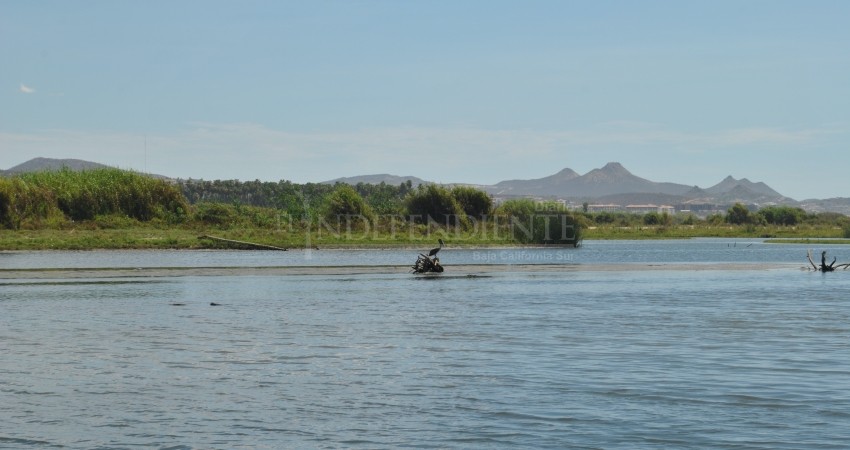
(426, 264)
(824, 267)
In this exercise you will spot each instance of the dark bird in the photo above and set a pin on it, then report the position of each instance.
(435, 250)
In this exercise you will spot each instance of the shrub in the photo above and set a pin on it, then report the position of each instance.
(345, 201)
(217, 214)
(528, 223)
(782, 215)
(652, 218)
(434, 203)
(22, 202)
(738, 214)
(87, 194)
(474, 202)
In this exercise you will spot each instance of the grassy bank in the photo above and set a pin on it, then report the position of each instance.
(807, 241)
(179, 238)
(88, 235)
(803, 232)
(249, 224)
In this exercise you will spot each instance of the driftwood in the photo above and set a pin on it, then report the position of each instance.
(426, 264)
(824, 267)
(242, 244)
(429, 263)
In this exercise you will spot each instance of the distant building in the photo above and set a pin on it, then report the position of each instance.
(604, 208)
(645, 209)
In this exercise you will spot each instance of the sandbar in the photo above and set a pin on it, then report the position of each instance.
(462, 269)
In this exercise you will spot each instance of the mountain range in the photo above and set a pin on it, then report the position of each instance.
(611, 183)
(614, 183)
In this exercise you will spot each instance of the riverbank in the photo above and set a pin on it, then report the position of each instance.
(88, 237)
(193, 239)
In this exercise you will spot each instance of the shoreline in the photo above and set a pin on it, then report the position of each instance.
(470, 270)
(84, 238)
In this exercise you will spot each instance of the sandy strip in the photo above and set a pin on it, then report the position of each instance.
(471, 269)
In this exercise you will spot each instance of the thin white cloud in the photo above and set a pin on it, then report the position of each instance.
(26, 89)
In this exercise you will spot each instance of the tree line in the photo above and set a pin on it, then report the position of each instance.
(461, 207)
(114, 198)
(296, 199)
(738, 214)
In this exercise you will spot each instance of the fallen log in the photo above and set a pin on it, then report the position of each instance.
(243, 244)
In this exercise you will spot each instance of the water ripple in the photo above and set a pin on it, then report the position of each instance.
(653, 359)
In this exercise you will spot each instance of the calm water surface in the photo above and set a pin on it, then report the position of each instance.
(592, 252)
(625, 358)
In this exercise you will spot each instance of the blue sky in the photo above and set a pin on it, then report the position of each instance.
(449, 91)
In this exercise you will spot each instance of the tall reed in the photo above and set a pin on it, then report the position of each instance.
(84, 195)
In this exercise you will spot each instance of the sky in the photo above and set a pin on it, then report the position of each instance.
(445, 90)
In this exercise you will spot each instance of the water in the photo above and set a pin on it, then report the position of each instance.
(623, 358)
(592, 252)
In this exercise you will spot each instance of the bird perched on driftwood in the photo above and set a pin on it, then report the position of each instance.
(435, 250)
(430, 262)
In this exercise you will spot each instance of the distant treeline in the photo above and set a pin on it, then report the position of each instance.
(291, 197)
(380, 204)
(738, 214)
(115, 198)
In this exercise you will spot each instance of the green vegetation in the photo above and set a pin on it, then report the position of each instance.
(768, 222)
(296, 199)
(809, 241)
(473, 202)
(532, 222)
(738, 215)
(345, 201)
(435, 203)
(110, 208)
(55, 198)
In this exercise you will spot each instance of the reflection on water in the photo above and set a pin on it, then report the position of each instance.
(612, 359)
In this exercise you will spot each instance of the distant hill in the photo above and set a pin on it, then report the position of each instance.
(42, 164)
(393, 180)
(838, 204)
(729, 183)
(534, 187)
(612, 183)
(45, 164)
(611, 179)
